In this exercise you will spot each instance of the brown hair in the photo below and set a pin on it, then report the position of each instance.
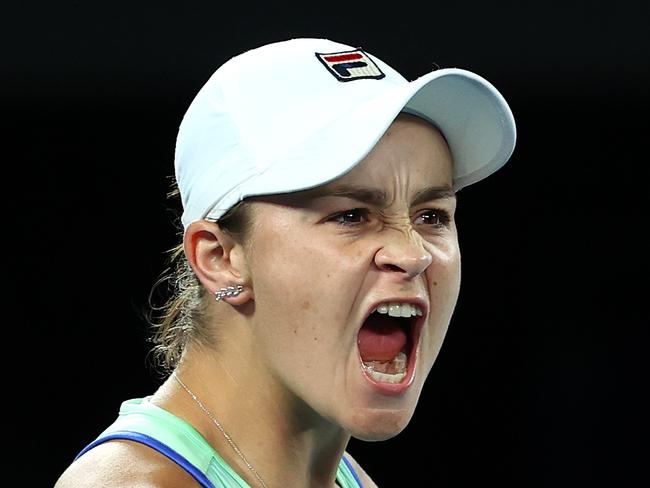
(181, 318)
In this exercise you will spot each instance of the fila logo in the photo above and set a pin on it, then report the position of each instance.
(350, 65)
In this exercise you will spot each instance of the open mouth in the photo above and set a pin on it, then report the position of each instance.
(387, 342)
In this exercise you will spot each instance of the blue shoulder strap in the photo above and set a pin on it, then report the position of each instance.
(163, 449)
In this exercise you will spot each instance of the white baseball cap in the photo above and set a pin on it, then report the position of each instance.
(296, 114)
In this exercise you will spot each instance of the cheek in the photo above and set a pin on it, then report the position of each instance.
(443, 276)
(303, 285)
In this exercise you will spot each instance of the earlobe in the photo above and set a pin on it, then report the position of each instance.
(209, 252)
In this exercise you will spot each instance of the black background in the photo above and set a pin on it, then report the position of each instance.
(542, 377)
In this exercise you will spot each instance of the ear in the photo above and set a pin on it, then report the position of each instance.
(217, 259)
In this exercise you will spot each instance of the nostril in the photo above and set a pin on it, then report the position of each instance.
(391, 267)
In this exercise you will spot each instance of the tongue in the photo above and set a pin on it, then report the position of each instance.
(381, 338)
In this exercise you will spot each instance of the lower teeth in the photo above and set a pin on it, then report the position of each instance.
(386, 378)
(387, 372)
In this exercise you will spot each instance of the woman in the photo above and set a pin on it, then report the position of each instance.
(318, 272)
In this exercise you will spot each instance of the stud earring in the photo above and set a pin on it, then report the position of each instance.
(229, 291)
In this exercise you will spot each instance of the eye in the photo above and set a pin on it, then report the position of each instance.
(350, 217)
(436, 218)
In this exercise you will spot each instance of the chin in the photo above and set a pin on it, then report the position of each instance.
(379, 424)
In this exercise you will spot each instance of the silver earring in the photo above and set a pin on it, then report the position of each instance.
(229, 291)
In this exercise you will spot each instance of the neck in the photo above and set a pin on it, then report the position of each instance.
(284, 440)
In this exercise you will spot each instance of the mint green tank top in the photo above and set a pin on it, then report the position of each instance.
(142, 421)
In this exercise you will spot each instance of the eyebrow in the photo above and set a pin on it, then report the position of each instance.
(433, 193)
(377, 197)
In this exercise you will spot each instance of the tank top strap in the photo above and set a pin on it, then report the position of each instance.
(346, 476)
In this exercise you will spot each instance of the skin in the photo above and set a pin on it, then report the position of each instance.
(285, 362)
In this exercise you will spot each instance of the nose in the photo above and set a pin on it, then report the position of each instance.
(403, 253)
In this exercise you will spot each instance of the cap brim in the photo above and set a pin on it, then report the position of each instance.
(474, 118)
(472, 115)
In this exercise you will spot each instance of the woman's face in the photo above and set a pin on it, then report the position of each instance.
(322, 260)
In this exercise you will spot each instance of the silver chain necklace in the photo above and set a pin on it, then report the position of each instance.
(222, 430)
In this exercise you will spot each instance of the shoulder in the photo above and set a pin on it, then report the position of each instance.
(363, 476)
(121, 464)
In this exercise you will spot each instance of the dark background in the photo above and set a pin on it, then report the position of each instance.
(542, 377)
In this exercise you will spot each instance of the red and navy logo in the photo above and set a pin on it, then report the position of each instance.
(350, 65)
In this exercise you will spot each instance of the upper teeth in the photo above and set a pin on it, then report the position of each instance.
(399, 309)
